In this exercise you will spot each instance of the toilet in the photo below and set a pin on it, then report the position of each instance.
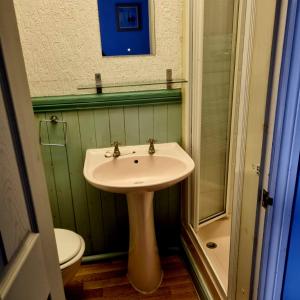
(70, 248)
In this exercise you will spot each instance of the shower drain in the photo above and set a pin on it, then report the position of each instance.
(211, 245)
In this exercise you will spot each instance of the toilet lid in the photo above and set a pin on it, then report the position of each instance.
(68, 244)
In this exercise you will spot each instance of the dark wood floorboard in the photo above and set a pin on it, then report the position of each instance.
(108, 280)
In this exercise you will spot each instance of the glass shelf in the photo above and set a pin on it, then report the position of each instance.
(167, 83)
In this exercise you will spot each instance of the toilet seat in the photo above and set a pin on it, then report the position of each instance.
(69, 244)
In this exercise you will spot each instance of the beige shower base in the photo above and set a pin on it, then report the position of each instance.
(219, 233)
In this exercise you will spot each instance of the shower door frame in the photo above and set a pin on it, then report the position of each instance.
(195, 92)
(196, 77)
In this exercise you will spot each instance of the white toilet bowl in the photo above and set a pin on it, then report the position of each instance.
(70, 248)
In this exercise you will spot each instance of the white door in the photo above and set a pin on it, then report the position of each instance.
(29, 267)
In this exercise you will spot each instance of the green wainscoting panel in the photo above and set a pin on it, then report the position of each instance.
(161, 123)
(88, 140)
(60, 167)
(174, 123)
(117, 125)
(161, 217)
(78, 186)
(101, 217)
(122, 222)
(48, 165)
(146, 123)
(132, 133)
(102, 127)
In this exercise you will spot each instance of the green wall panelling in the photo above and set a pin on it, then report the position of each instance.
(160, 123)
(102, 128)
(88, 140)
(132, 134)
(117, 125)
(167, 216)
(48, 165)
(122, 221)
(145, 123)
(110, 228)
(174, 123)
(174, 214)
(78, 187)
(104, 122)
(100, 217)
(161, 217)
(60, 165)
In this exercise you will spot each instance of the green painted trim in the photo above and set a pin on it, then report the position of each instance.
(91, 101)
(199, 283)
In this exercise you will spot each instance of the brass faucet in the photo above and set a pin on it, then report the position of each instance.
(116, 150)
(151, 146)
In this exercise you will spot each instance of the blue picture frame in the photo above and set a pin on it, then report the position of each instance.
(120, 37)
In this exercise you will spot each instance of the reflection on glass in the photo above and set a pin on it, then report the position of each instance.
(128, 17)
(216, 106)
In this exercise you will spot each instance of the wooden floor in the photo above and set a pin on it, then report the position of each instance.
(108, 280)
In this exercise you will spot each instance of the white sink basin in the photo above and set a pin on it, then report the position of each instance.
(138, 174)
(137, 170)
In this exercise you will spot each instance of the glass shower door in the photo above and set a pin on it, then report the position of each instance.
(218, 66)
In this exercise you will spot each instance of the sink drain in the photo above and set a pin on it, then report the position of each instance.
(211, 245)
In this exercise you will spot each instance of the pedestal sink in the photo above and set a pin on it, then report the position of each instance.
(138, 174)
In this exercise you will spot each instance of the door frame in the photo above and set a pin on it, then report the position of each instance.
(196, 67)
(256, 70)
(25, 124)
(279, 34)
(284, 162)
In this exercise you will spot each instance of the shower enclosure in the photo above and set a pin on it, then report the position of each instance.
(230, 49)
(213, 111)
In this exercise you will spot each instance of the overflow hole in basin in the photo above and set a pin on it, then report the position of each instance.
(136, 161)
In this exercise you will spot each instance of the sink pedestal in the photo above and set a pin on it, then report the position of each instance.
(144, 269)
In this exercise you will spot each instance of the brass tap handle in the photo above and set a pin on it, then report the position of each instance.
(116, 149)
(151, 141)
(151, 146)
(116, 143)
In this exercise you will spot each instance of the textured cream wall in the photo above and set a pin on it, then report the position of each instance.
(61, 46)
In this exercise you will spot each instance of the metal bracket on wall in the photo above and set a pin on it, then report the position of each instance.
(169, 78)
(54, 121)
(98, 83)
